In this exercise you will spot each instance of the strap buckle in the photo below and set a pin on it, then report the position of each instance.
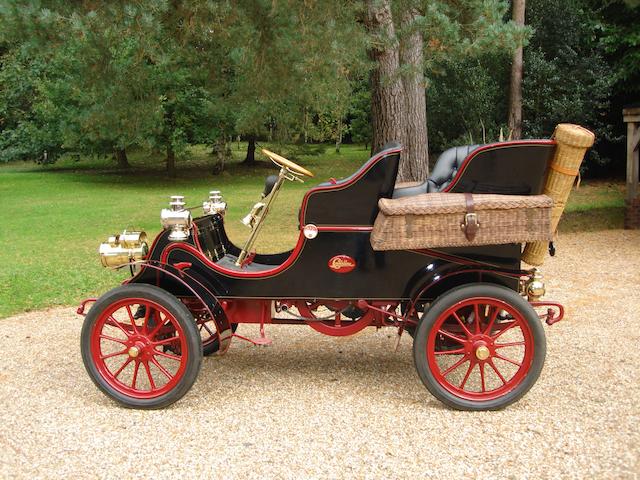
(470, 226)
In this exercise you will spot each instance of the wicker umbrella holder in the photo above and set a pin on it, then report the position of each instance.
(572, 144)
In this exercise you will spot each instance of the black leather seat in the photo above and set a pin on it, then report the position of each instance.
(444, 171)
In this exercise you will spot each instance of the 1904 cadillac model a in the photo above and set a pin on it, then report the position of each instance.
(440, 260)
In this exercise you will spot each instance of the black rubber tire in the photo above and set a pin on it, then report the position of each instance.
(180, 313)
(213, 347)
(462, 293)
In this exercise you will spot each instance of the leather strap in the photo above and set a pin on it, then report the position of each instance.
(468, 199)
(564, 170)
(470, 226)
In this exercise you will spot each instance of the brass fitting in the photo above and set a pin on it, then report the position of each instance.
(534, 287)
(215, 204)
(176, 218)
(120, 250)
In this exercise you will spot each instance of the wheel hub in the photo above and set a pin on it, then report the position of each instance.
(139, 348)
(482, 352)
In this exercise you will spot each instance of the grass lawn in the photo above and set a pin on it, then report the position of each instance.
(55, 216)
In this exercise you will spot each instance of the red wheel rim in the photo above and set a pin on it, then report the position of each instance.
(480, 349)
(339, 325)
(139, 348)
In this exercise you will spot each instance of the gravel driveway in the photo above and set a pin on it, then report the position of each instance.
(314, 406)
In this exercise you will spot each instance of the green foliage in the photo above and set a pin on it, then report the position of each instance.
(566, 76)
(92, 77)
(115, 76)
(24, 129)
(292, 64)
(467, 103)
(360, 114)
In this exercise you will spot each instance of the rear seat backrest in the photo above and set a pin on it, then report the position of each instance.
(447, 167)
(444, 171)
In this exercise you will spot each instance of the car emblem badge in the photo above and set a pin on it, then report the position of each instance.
(342, 264)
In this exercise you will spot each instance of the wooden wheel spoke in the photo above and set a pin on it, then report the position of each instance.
(157, 328)
(510, 344)
(147, 316)
(161, 368)
(454, 366)
(149, 376)
(166, 341)
(457, 351)
(167, 355)
(114, 354)
(492, 319)
(495, 369)
(133, 320)
(464, 327)
(482, 382)
(209, 331)
(497, 355)
(135, 375)
(113, 339)
(476, 314)
(124, 365)
(114, 323)
(514, 323)
(452, 336)
(466, 375)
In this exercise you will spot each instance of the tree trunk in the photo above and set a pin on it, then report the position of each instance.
(251, 150)
(515, 90)
(171, 161)
(339, 136)
(415, 156)
(387, 97)
(121, 158)
(221, 151)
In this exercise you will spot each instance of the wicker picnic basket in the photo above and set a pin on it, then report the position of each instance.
(572, 144)
(434, 220)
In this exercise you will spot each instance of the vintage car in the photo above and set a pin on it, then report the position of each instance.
(478, 341)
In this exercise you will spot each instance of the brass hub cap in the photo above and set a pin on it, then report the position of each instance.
(482, 352)
(134, 352)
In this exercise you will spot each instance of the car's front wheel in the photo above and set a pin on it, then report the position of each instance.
(141, 347)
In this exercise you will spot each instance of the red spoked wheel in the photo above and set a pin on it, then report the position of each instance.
(140, 346)
(479, 347)
(337, 318)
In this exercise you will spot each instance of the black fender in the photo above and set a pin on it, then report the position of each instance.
(182, 281)
(440, 276)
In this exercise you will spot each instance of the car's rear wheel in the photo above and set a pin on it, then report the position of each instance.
(479, 347)
(141, 347)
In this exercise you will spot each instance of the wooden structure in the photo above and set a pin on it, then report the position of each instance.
(631, 115)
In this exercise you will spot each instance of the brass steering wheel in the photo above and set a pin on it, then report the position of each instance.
(288, 164)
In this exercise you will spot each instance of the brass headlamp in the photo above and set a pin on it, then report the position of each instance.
(123, 249)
